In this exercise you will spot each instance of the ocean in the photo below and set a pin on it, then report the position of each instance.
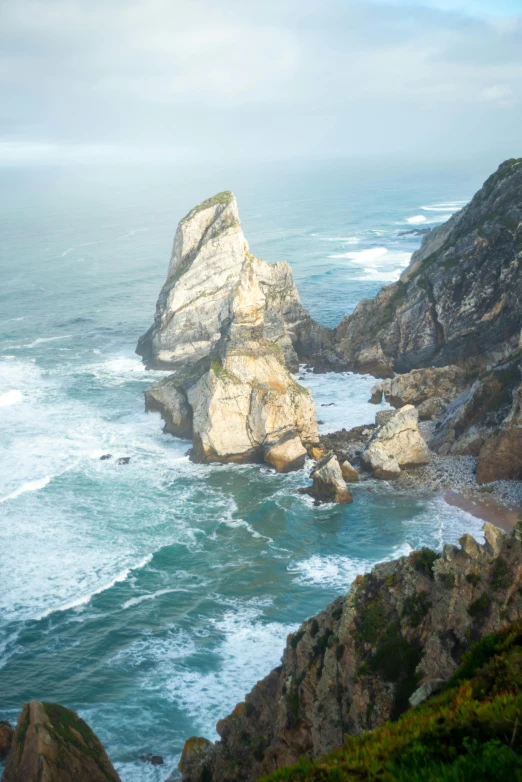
(151, 597)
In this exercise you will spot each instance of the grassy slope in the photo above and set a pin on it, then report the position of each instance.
(471, 731)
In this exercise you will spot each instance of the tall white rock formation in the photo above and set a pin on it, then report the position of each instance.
(226, 323)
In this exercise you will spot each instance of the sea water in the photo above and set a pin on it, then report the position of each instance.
(152, 596)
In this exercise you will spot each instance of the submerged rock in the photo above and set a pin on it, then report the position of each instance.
(397, 443)
(232, 391)
(154, 760)
(328, 484)
(52, 744)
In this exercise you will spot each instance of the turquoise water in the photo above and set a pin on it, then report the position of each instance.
(150, 597)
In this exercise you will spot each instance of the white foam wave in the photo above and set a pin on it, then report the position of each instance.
(238, 523)
(134, 601)
(12, 397)
(85, 599)
(450, 206)
(66, 252)
(416, 220)
(36, 485)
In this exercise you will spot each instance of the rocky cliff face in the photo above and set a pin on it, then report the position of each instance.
(52, 744)
(194, 304)
(397, 635)
(229, 325)
(459, 301)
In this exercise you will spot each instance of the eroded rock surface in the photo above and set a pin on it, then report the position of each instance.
(52, 744)
(402, 629)
(500, 457)
(230, 325)
(194, 304)
(397, 443)
(458, 302)
(328, 483)
(430, 389)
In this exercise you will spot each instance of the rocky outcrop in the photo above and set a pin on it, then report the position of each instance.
(500, 457)
(459, 301)
(232, 391)
(478, 414)
(397, 443)
(430, 389)
(328, 483)
(52, 744)
(194, 304)
(402, 629)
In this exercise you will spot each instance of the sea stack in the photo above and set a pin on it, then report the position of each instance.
(232, 328)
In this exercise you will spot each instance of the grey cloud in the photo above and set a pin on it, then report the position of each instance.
(258, 79)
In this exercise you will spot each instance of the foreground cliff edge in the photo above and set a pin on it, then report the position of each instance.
(406, 631)
(395, 639)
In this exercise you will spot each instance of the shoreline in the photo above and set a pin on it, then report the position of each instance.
(486, 507)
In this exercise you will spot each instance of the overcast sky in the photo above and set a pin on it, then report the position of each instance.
(259, 79)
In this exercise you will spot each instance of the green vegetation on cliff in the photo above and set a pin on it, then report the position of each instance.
(472, 730)
(225, 198)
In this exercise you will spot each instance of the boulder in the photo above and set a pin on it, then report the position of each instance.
(6, 739)
(349, 473)
(195, 759)
(52, 744)
(328, 484)
(397, 443)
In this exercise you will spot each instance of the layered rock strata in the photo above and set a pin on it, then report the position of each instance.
(52, 744)
(430, 389)
(400, 631)
(194, 304)
(231, 327)
(458, 302)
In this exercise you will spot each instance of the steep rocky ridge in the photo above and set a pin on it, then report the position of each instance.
(458, 302)
(194, 304)
(402, 627)
(231, 326)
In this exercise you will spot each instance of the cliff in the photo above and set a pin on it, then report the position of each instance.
(207, 257)
(468, 732)
(458, 302)
(398, 635)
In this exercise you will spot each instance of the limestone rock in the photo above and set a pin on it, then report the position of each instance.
(208, 255)
(328, 484)
(421, 387)
(6, 739)
(52, 744)
(397, 443)
(349, 473)
(398, 634)
(171, 402)
(231, 391)
(458, 302)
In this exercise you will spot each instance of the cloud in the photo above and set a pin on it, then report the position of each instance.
(252, 78)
